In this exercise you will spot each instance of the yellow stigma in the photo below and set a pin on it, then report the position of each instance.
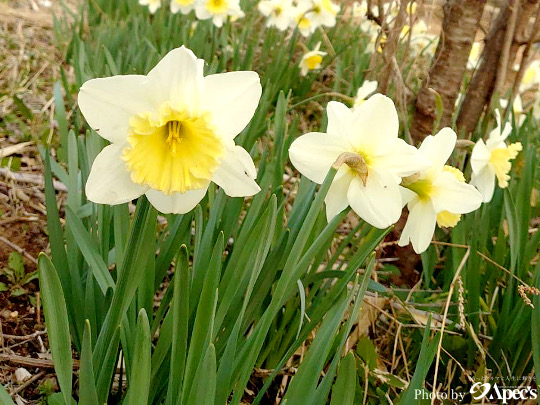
(445, 218)
(313, 61)
(500, 159)
(175, 153)
(217, 6)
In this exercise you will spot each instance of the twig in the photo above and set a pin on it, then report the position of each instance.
(18, 249)
(30, 178)
(24, 337)
(27, 383)
(31, 362)
(508, 38)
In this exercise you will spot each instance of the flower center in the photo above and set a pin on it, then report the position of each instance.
(176, 153)
(313, 61)
(500, 159)
(304, 23)
(423, 188)
(217, 6)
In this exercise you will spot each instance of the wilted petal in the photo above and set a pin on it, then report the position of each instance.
(236, 174)
(232, 98)
(176, 203)
(109, 181)
(314, 153)
(378, 202)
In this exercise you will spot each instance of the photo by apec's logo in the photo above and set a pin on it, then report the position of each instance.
(479, 391)
(494, 392)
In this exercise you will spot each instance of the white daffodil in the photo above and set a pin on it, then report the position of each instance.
(311, 60)
(153, 5)
(359, 9)
(366, 139)
(437, 195)
(531, 77)
(171, 132)
(218, 10)
(491, 160)
(364, 91)
(184, 6)
(421, 40)
(278, 12)
(301, 19)
(517, 109)
(323, 12)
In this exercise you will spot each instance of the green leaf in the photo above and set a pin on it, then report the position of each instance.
(366, 350)
(180, 308)
(5, 399)
(87, 387)
(139, 386)
(3, 287)
(56, 320)
(16, 263)
(204, 382)
(345, 386)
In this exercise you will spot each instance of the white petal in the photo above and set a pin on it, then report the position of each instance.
(454, 196)
(109, 181)
(314, 153)
(407, 196)
(107, 104)
(484, 181)
(400, 158)
(236, 174)
(373, 123)
(378, 202)
(178, 78)
(336, 198)
(176, 203)
(480, 156)
(420, 226)
(437, 149)
(232, 98)
(339, 118)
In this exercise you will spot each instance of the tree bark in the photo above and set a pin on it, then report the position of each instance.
(460, 24)
(481, 88)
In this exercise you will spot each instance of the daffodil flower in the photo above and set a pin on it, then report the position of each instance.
(323, 12)
(364, 91)
(474, 55)
(517, 109)
(153, 5)
(184, 6)
(171, 132)
(437, 195)
(278, 13)
(531, 77)
(302, 20)
(375, 159)
(311, 60)
(491, 160)
(218, 10)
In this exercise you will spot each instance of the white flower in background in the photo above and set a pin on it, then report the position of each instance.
(365, 90)
(474, 55)
(323, 12)
(517, 109)
(491, 160)
(278, 12)
(359, 9)
(184, 6)
(536, 108)
(531, 77)
(437, 195)
(376, 160)
(153, 5)
(218, 10)
(311, 60)
(171, 132)
(421, 40)
(301, 19)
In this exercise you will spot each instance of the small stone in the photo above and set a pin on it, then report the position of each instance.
(14, 314)
(22, 374)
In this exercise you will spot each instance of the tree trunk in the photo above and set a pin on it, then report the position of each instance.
(461, 21)
(482, 86)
